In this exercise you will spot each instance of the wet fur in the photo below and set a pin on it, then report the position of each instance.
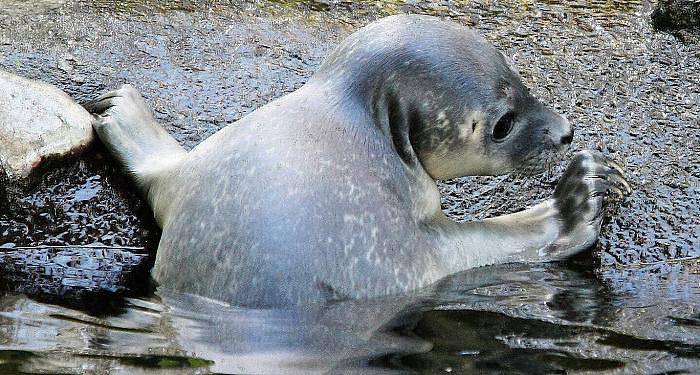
(329, 192)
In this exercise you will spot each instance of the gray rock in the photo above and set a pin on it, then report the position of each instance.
(72, 271)
(20, 7)
(37, 121)
(673, 15)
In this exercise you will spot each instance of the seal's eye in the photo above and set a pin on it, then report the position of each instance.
(503, 126)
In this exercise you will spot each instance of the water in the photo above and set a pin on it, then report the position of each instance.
(631, 305)
(506, 319)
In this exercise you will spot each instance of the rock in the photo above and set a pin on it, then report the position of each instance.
(37, 121)
(673, 15)
(72, 273)
(22, 7)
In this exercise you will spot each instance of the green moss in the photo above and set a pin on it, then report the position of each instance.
(168, 363)
(198, 362)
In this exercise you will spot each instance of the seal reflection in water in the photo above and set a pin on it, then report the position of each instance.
(329, 192)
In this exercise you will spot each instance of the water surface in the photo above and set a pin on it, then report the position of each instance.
(508, 319)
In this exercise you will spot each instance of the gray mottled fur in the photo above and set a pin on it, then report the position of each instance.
(329, 192)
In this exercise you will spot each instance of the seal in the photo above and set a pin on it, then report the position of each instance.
(329, 192)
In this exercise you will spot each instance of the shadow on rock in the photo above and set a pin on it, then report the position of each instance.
(680, 17)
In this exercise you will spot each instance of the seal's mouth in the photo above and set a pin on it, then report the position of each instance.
(540, 162)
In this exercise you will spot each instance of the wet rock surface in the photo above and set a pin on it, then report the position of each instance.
(73, 275)
(81, 201)
(630, 91)
(37, 122)
(84, 201)
(681, 17)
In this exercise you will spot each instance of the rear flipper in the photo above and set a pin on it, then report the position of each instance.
(128, 129)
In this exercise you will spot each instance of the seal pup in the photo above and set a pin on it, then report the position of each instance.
(329, 192)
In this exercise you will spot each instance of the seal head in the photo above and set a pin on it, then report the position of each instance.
(447, 97)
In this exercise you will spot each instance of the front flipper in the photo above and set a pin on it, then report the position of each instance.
(557, 228)
(578, 199)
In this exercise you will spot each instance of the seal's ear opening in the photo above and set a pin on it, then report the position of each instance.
(400, 122)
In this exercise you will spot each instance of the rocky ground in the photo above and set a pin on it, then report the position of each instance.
(629, 90)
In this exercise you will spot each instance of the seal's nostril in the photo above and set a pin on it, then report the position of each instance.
(567, 138)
